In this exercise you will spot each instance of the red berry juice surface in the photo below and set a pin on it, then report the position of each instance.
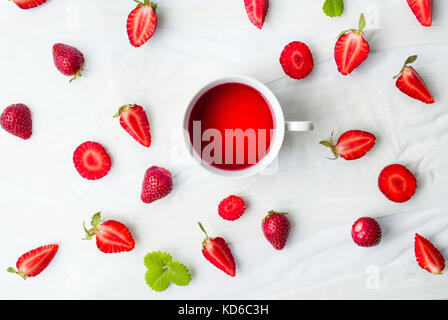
(232, 106)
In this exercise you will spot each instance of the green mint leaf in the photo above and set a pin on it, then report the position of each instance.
(158, 279)
(179, 274)
(333, 8)
(157, 260)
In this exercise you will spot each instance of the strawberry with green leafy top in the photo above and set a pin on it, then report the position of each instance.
(351, 48)
(111, 236)
(142, 22)
(410, 83)
(35, 261)
(133, 119)
(351, 145)
(275, 228)
(162, 270)
(218, 253)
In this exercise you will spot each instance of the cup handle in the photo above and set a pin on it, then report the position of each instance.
(299, 126)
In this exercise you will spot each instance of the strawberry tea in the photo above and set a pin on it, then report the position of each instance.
(231, 126)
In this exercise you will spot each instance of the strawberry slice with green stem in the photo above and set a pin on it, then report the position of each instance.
(410, 83)
(422, 9)
(134, 120)
(142, 22)
(351, 48)
(351, 145)
(111, 236)
(428, 257)
(218, 253)
(35, 261)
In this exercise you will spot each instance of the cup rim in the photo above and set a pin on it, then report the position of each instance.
(276, 140)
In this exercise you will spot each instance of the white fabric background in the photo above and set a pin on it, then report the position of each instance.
(44, 200)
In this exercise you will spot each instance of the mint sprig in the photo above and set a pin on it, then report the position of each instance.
(333, 8)
(162, 270)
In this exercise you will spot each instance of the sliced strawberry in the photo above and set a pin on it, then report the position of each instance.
(91, 160)
(218, 253)
(111, 236)
(351, 48)
(422, 9)
(142, 22)
(397, 183)
(410, 83)
(35, 261)
(28, 4)
(296, 60)
(351, 145)
(428, 257)
(231, 208)
(133, 119)
(256, 11)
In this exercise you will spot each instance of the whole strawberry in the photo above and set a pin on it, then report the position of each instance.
(16, 119)
(275, 228)
(157, 184)
(68, 60)
(366, 232)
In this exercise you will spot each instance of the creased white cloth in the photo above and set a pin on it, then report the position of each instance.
(44, 200)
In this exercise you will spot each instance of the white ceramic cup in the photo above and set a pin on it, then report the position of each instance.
(280, 126)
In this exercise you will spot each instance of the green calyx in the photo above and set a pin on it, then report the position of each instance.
(95, 223)
(147, 3)
(77, 75)
(360, 30)
(409, 60)
(205, 232)
(123, 109)
(271, 212)
(330, 144)
(12, 270)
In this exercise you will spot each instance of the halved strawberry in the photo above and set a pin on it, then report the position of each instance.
(428, 257)
(256, 11)
(296, 60)
(91, 160)
(133, 119)
(28, 4)
(351, 145)
(351, 48)
(142, 22)
(111, 236)
(218, 253)
(397, 183)
(422, 9)
(35, 261)
(410, 83)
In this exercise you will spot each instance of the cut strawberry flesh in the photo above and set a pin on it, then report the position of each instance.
(114, 237)
(413, 85)
(35, 261)
(350, 51)
(141, 24)
(218, 253)
(28, 4)
(91, 160)
(422, 9)
(256, 11)
(397, 183)
(135, 122)
(428, 257)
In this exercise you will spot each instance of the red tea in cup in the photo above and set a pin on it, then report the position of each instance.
(231, 126)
